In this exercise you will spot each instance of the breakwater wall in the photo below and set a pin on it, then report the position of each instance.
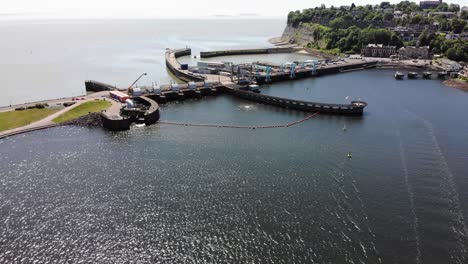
(95, 86)
(211, 54)
(354, 108)
(174, 66)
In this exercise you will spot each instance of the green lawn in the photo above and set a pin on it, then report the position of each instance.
(83, 109)
(14, 119)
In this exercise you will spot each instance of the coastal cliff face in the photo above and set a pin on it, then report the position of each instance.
(300, 35)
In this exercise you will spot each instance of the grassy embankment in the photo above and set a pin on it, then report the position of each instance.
(83, 109)
(14, 119)
(459, 83)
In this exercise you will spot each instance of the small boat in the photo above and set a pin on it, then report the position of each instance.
(412, 75)
(427, 75)
(399, 75)
(344, 128)
(254, 88)
(349, 155)
(442, 75)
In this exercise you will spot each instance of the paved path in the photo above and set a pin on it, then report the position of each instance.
(47, 121)
(53, 101)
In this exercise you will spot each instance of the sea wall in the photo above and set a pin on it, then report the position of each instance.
(115, 124)
(211, 54)
(94, 86)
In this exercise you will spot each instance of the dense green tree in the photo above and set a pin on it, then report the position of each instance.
(456, 50)
(407, 6)
(443, 7)
(388, 16)
(453, 8)
(385, 5)
(426, 38)
(457, 25)
(416, 19)
(378, 17)
(464, 15)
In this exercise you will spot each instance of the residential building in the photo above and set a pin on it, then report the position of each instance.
(378, 50)
(445, 14)
(406, 34)
(388, 10)
(412, 52)
(398, 14)
(462, 36)
(429, 4)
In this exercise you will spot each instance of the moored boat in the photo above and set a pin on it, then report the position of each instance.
(427, 75)
(399, 75)
(442, 75)
(254, 88)
(412, 75)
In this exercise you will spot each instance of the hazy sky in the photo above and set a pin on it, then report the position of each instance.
(161, 9)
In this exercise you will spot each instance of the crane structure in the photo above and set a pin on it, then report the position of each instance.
(143, 74)
(292, 72)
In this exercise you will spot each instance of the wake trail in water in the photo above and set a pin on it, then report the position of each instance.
(347, 180)
(461, 229)
(409, 188)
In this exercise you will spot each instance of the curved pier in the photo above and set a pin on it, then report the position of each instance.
(354, 108)
(175, 68)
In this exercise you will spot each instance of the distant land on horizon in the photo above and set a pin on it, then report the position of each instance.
(142, 9)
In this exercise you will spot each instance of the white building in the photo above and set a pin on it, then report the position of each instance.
(462, 36)
(412, 52)
(445, 14)
(397, 14)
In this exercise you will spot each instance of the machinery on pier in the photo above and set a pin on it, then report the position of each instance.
(266, 69)
(310, 63)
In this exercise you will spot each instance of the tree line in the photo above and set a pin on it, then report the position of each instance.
(342, 36)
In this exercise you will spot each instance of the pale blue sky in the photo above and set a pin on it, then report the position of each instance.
(161, 9)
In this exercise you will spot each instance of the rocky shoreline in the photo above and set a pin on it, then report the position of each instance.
(89, 120)
(458, 84)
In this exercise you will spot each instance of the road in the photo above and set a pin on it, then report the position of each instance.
(47, 121)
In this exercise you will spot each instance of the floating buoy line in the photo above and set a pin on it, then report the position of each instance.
(236, 126)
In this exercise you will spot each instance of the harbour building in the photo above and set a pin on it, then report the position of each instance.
(378, 50)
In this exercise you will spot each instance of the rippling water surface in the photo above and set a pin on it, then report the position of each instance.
(182, 194)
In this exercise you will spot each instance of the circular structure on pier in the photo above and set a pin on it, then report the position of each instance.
(359, 103)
